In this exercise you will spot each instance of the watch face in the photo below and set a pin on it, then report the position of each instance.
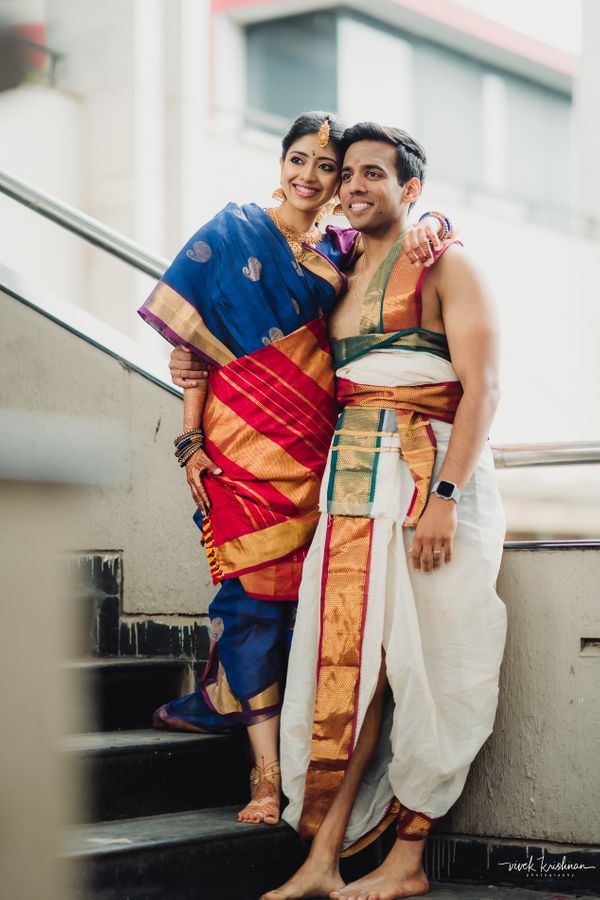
(445, 489)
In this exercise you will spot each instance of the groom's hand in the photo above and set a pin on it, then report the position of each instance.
(434, 535)
(186, 369)
(421, 240)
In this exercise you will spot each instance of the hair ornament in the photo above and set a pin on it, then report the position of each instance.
(323, 133)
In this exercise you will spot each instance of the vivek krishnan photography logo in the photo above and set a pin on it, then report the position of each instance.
(542, 867)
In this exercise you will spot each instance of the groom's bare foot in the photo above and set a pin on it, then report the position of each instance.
(400, 875)
(313, 879)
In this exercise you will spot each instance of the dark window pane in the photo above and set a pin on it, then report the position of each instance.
(539, 143)
(447, 113)
(291, 67)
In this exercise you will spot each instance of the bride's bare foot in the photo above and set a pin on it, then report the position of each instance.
(265, 790)
(400, 875)
(313, 879)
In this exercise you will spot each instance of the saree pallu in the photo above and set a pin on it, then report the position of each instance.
(236, 286)
(443, 634)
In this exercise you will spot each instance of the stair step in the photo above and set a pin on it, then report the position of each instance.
(123, 692)
(183, 856)
(144, 772)
(208, 855)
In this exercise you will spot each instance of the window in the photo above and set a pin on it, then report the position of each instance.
(447, 113)
(291, 67)
(538, 142)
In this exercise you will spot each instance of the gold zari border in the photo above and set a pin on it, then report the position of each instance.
(345, 586)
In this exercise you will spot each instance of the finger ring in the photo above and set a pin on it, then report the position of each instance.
(437, 552)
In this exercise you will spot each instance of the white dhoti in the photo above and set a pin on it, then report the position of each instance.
(443, 633)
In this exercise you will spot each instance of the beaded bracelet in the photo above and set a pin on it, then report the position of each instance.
(184, 460)
(445, 222)
(189, 451)
(191, 432)
(187, 443)
(185, 455)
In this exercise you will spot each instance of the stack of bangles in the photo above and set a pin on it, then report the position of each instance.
(187, 443)
(442, 219)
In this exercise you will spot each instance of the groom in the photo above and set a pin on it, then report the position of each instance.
(397, 594)
(398, 591)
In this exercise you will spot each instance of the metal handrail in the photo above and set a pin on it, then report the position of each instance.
(84, 226)
(505, 456)
(510, 456)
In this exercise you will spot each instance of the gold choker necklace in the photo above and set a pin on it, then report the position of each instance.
(294, 237)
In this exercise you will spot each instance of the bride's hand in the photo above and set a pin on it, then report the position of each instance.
(420, 241)
(195, 468)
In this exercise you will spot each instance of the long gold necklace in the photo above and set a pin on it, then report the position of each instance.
(355, 278)
(294, 237)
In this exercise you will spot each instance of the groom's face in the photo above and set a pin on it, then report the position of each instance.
(370, 194)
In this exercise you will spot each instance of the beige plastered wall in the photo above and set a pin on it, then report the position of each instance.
(538, 775)
(147, 513)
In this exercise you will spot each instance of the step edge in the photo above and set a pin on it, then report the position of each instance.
(110, 662)
(235, 831)
(176, 741)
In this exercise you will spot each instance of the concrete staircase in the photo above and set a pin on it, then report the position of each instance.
(160, 811)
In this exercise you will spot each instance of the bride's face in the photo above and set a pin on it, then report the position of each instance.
(309, 173)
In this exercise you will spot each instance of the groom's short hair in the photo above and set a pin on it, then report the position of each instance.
(410, 156)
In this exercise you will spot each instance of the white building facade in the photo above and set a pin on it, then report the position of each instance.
(161, 111)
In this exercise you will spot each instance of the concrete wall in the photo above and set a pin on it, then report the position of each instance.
(147, 514)
(538, 776)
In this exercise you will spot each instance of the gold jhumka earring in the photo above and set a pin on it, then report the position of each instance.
(278, 194)
(337, 209)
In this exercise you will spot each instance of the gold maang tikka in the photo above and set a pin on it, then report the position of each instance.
(323, 133)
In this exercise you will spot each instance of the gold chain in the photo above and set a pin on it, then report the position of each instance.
(354, 279)
(294, 237)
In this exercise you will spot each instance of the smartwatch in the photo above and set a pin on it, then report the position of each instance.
(447, 490)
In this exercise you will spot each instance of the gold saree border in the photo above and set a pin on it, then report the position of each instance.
(225, 702)
(251, 550)
(345, 583)
(220, 694)
(181, 317)
(319, 265)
